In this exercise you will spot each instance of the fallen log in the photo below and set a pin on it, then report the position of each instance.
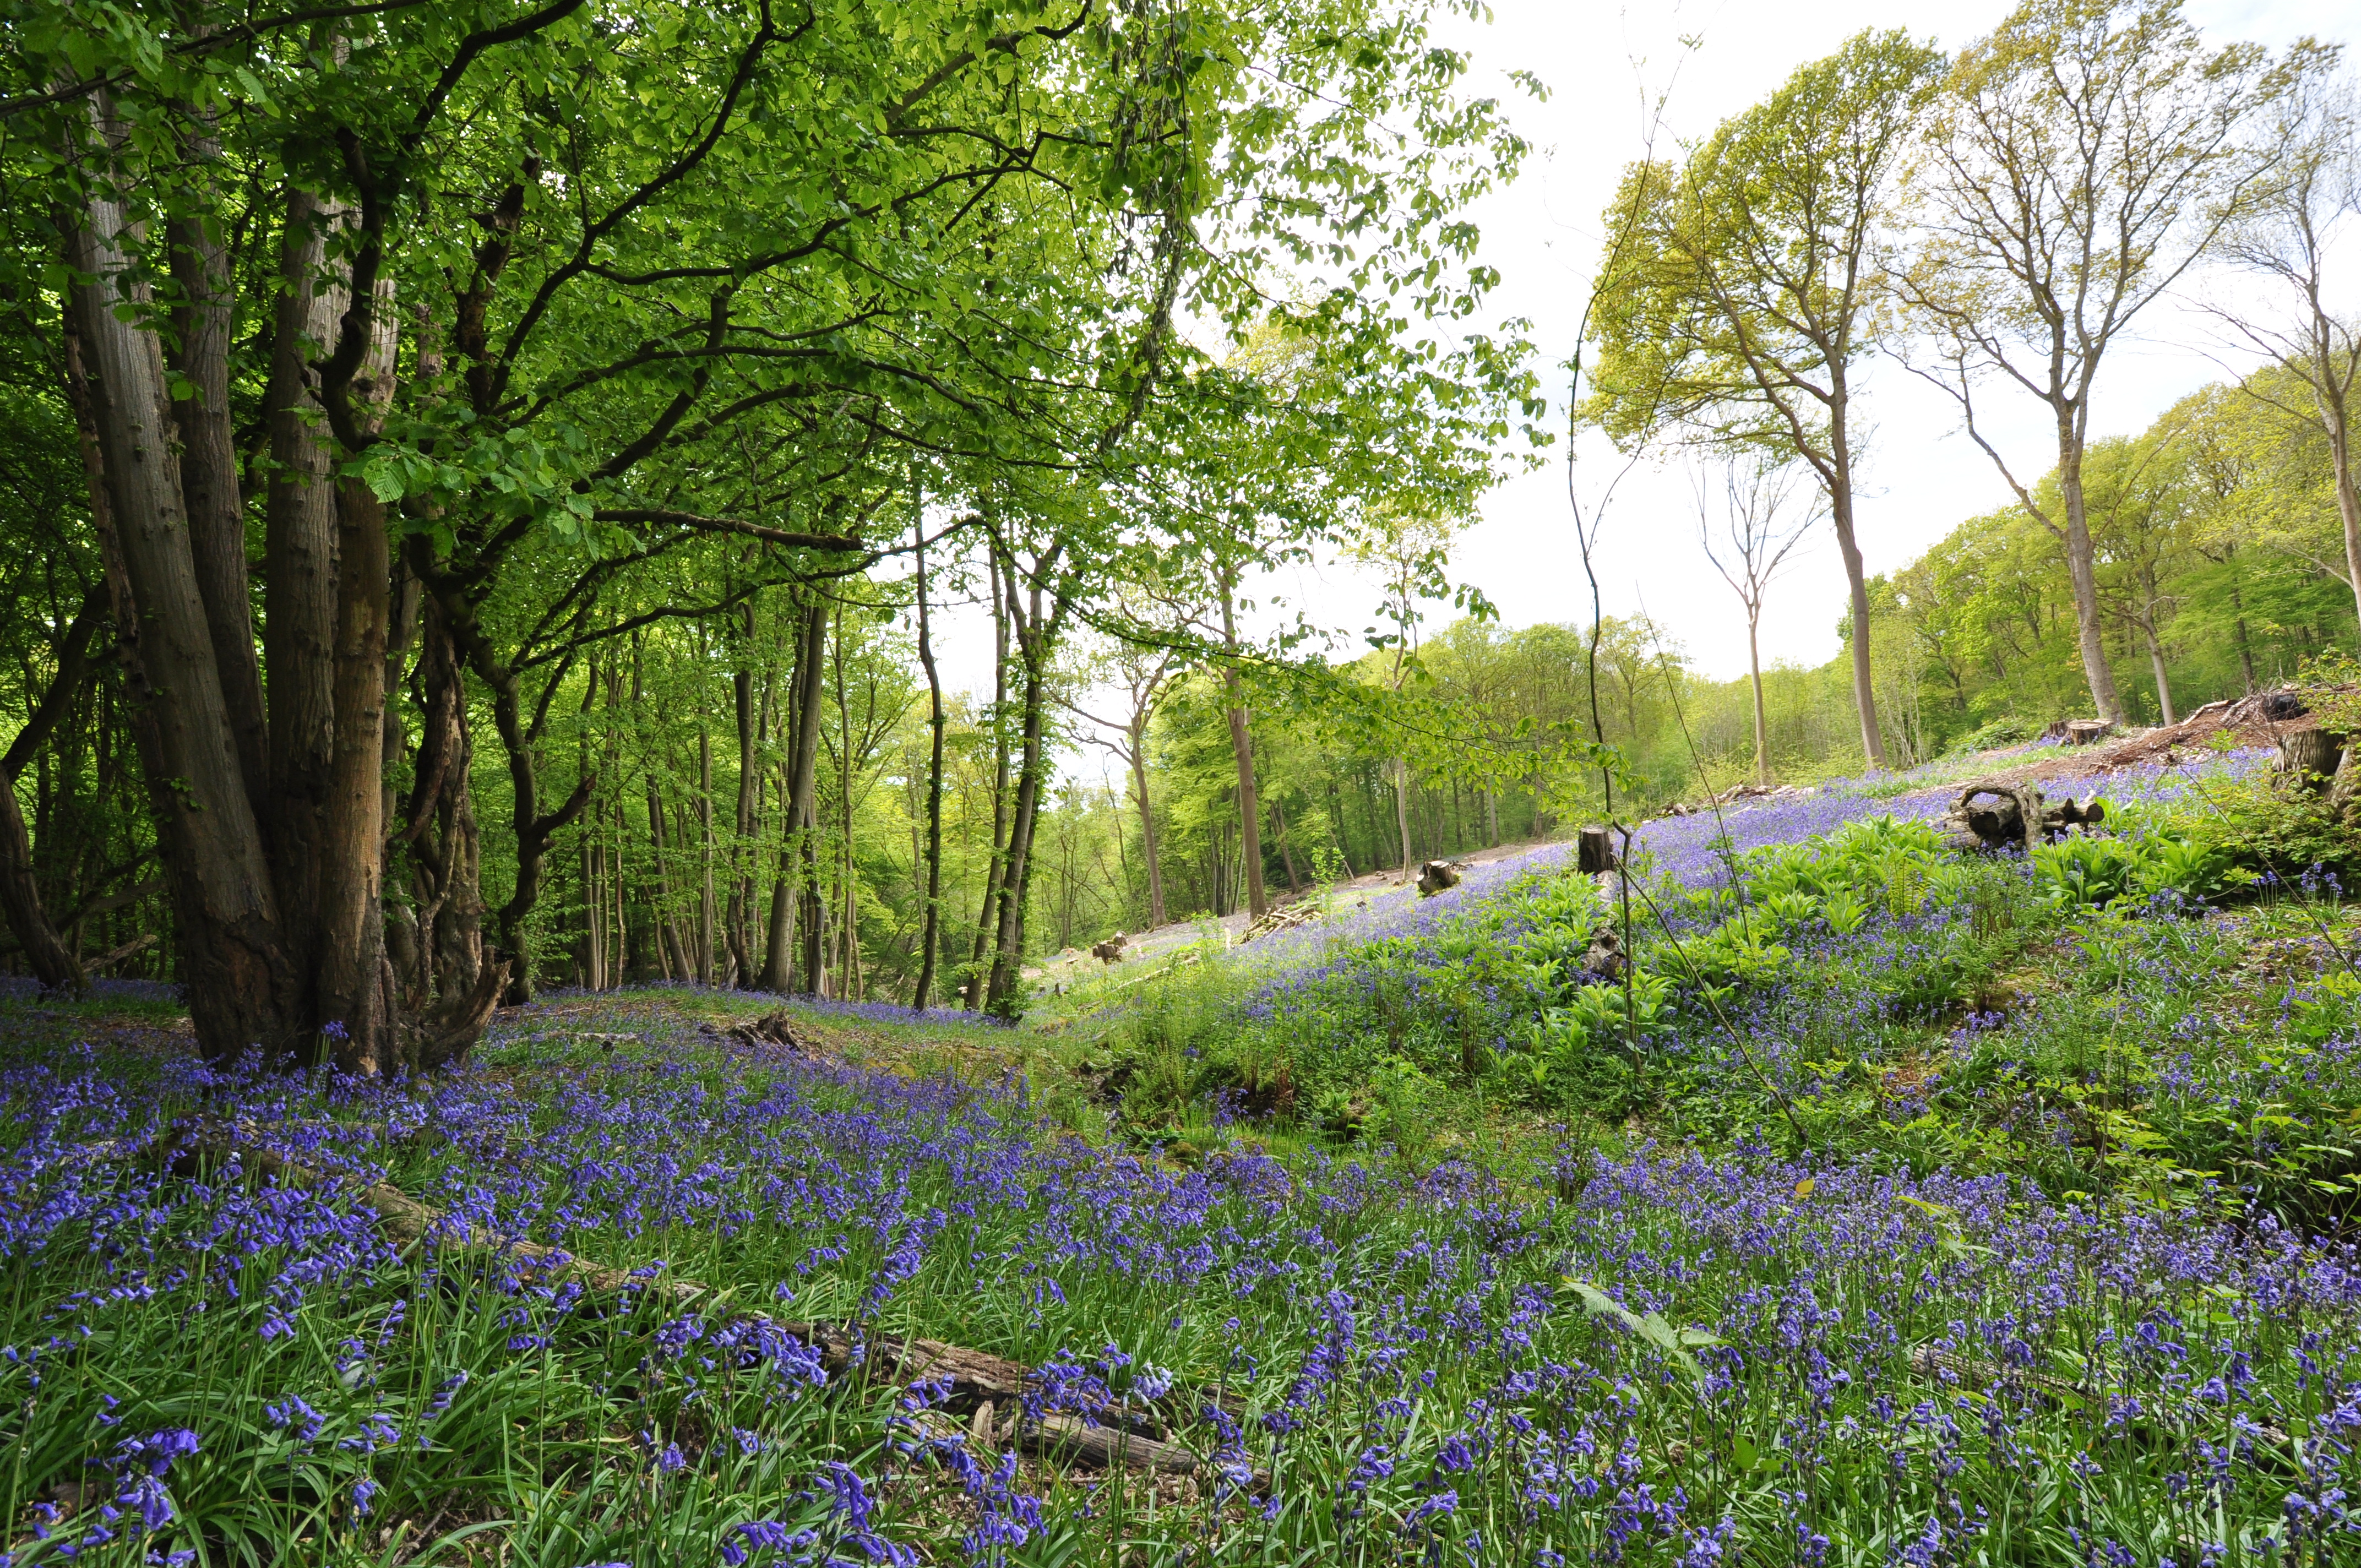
(1989, 814)
(979, 1376)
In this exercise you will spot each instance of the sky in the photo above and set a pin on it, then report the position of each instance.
(1604, 64)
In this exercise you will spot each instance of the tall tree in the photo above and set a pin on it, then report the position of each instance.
(2076, 165)
(2289, 236)
(1739, 290)
(1748, 527)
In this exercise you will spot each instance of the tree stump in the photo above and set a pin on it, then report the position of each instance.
(1434, 876)
(2310, 757)
(1594, 851)
(1606, 956)
(2087, 731)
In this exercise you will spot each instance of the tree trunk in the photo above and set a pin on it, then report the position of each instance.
(46, 953)
(209, 482)
(1241, 749)
(779, 966)
(242, 989)
(2082, 567)
(1034, 640)
(1285, 849)
(1840, 515)
(995, 876)
(930, 935)
(1149, 849)
(2156, 661)
(1754, 672)
(2245, 646)
(300, 568)
(1401, 811)
(354, 979)
(706, 907)
(738, 918)
(2328, 390)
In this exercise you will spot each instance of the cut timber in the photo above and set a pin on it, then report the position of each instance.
(1594, 851)
(2087, 731)
(1435, 876)
(1285, 917)
(1108, 1447)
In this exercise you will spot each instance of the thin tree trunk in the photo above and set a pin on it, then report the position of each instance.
(46, 953)
(738, 920)
(2155, 645)
(930, 935)
(1402, 810)
(705, 906)
(1242, 750)
(1034, 637)
(1754, 673)
(995, 878)
(778, 969)
(1285, 849)
(2245, 646)
(1149, 846)
(1840, 515)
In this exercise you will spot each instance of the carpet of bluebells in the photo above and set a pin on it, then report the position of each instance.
(1655, 1359)
(1899, 1210)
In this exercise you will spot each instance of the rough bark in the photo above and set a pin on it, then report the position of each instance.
(300, 601)
(242, 987)
(209, 485)
(355, 982)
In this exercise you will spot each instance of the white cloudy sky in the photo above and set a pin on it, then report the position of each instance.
(1601, 62)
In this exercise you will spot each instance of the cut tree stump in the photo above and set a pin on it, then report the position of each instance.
(1594, 851)
(2310, 757)
(1434, 876)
